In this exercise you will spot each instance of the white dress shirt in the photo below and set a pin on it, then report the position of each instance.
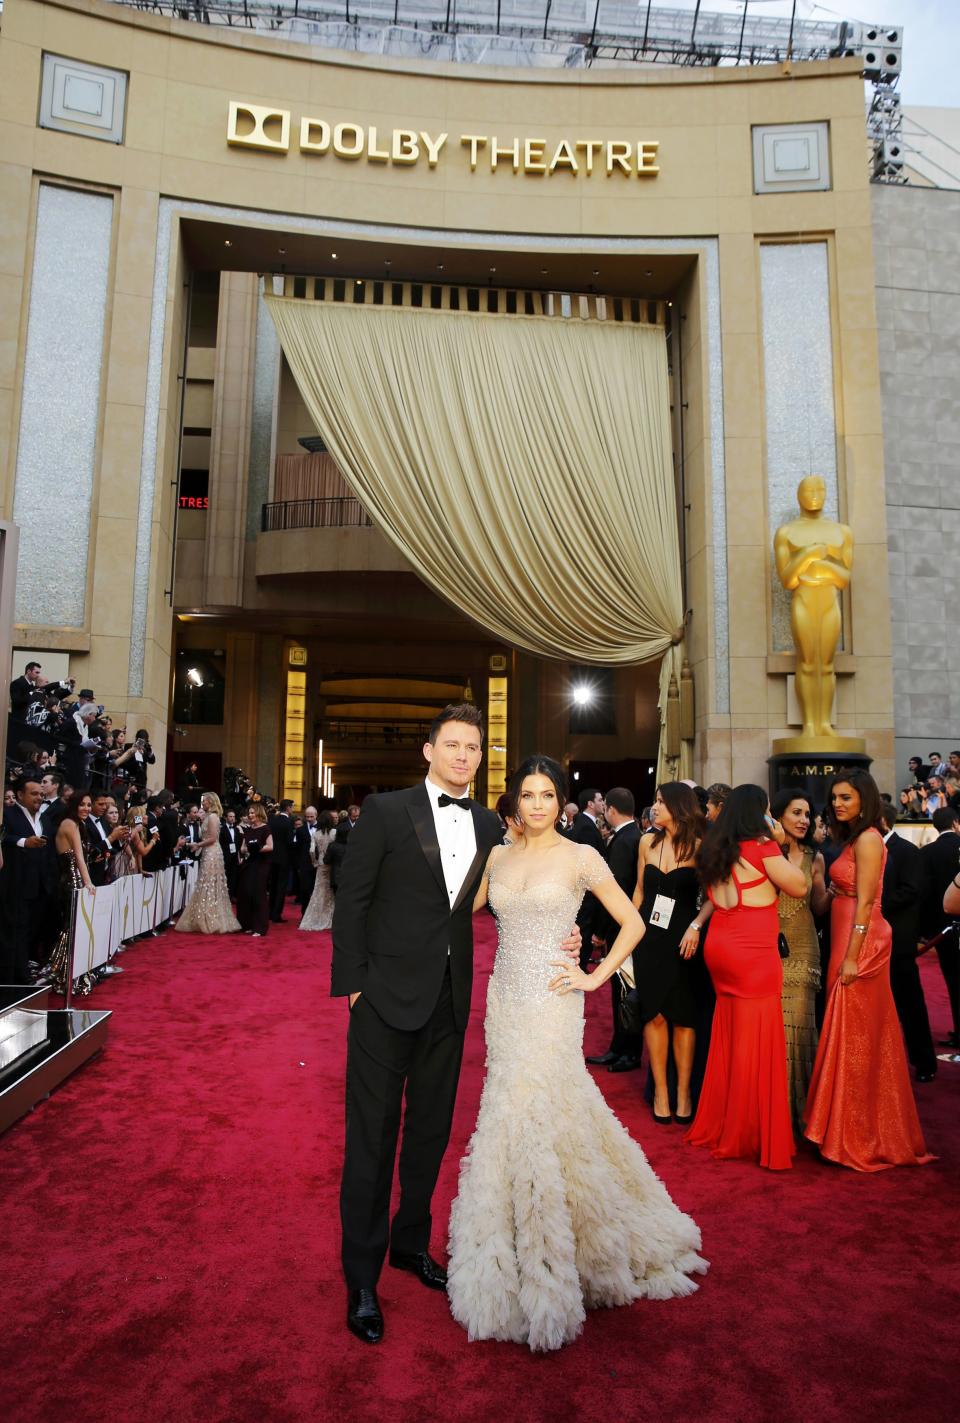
(456, 837)
(34, 821)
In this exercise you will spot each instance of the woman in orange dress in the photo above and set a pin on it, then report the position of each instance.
(744, 1108)
(860, 1108)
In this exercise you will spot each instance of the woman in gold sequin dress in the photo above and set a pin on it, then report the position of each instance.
(208, 909)
(801, 971)
(558, 1210)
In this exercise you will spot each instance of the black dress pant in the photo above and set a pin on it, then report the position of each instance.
(948, 952)
(384, 1066)
(912, 1011)
(277, 889)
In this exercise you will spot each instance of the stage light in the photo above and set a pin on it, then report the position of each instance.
(582, 695)
(194, 676)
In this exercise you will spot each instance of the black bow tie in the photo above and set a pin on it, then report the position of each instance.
(445, 799)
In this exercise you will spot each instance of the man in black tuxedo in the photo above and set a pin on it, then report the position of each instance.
(585, 830)
(302, 843)
(621, 849)
(900, 906)
(231, 838)
(26, 883)
(941, 861)
(403, 954)
(281, 828)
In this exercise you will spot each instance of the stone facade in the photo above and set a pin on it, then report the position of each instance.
(916, 233)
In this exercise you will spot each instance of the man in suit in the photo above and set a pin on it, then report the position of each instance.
(625, 1049)
(403, 955)
(104, 842)
(585, 830)
(941, 861)
(231, 838)
(281, 828)
(900, 906)
(302, 845)
(26, 883)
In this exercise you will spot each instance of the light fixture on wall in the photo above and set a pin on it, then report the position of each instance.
(582, 695)
(194, 677)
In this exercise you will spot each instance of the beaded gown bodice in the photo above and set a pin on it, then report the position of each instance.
(535, 901)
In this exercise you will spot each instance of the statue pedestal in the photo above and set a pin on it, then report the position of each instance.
(811, 762)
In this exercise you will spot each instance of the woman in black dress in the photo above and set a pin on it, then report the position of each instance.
(253, 907)
(667, 896)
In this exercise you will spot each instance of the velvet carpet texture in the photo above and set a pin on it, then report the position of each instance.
(170, 1238)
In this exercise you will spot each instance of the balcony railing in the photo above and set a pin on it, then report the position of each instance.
(340, 732)
(338, 513)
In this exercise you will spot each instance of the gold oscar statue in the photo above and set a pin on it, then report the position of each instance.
(814, 558)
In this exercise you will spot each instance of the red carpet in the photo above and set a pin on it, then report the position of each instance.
(170, 1247)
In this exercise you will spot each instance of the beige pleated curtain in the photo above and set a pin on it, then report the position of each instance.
(521, 464)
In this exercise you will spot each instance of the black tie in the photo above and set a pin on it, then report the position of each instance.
(445, 799)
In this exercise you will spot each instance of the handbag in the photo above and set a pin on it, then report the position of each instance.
(628, 1010)
(783, 948)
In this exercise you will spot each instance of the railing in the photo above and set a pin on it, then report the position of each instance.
(337, 513)
(342, 732)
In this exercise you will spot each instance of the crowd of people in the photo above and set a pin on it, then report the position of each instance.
(78, 814)
(756, 914)
(933, 785)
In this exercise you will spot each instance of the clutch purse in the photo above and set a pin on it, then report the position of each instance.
(783, 948)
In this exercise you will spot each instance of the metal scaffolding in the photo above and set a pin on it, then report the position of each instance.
(574, 34)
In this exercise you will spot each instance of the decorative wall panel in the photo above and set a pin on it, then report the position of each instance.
(60, 405)
(801, 431)
(85, 99)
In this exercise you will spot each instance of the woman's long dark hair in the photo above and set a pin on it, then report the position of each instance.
(869, 817)
(742, 818)
(538, 765)
(72, 811)
(683, 804)
(786, 797)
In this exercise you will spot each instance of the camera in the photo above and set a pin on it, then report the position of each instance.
(138, 820)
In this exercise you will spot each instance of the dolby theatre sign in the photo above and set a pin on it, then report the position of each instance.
(266, 129)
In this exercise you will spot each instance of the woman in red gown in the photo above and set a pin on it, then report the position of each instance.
(744, 1108)
(860, 1108)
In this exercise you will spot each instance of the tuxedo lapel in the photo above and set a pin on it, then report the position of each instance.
(421, 814)
(479, 858)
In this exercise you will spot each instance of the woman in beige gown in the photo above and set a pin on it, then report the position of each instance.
(208, 910)
(801, 970)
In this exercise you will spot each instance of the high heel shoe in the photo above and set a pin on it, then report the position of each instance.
(662, 1121)
(683, 1121)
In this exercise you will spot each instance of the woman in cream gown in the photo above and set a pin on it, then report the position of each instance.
(558, 1209)
(208, 910)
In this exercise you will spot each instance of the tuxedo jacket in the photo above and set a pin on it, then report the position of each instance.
(281, 828)
(585, 831)
(22, 693)
(941, 861)
(26, 873)
(622, 852)
(902, 894)
(225, 831)
(392, 923)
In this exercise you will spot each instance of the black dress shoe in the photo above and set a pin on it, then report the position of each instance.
(419, 1263)
(627, 1063)
(604, 1060)
(364, 1318)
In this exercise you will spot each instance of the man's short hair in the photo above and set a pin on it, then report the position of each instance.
(20, 785)
(945, 818)
(888, 813)
(585, 797)
(285, 804)
(621, 800)
(52, 775)
(30, 667)
(467, 712)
